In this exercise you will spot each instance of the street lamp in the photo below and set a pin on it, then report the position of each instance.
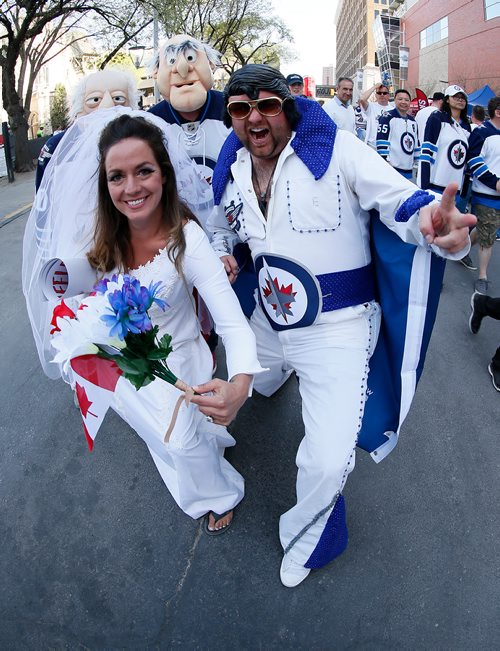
(138, 57)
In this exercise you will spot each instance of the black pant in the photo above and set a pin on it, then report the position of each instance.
(491, 307)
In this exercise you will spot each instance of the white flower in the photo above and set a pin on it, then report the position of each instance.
(81, 335)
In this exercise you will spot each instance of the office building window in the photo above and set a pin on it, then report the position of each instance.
(434, 33)
(491, 9)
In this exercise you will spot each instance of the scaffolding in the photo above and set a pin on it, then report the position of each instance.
(387, 36)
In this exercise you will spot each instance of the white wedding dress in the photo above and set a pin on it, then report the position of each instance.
(192, 464)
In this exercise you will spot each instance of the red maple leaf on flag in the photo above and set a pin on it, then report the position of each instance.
(60, 310)
(83, 401)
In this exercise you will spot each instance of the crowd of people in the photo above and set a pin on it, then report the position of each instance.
(437, 145)
(308, 222)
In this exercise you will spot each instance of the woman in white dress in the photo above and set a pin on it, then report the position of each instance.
(143, 228)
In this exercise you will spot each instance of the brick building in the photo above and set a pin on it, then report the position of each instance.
(451, 42)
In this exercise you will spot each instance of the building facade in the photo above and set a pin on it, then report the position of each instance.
(451, 42)
(328, 77)
(356, 48)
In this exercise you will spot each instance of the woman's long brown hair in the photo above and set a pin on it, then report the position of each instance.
(111, 248)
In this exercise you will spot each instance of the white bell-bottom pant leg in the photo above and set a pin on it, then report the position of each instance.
(191, 464)
(331, 361)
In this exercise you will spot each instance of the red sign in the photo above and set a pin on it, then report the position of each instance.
(309, 87)
(421, 98)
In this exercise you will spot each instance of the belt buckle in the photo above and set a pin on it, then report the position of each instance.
(289, 294)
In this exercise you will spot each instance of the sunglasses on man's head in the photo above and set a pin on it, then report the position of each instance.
(269, 107)
(382, 92)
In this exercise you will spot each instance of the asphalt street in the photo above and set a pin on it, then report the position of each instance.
(96, 555)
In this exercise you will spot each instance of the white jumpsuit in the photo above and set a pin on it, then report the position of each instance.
(324, 225)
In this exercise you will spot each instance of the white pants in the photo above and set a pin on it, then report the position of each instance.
(192, 463)
(330, 359)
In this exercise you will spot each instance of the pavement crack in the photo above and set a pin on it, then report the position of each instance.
(184, 575)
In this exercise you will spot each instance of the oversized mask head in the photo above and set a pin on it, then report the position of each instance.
(183, 72)
(104, 89)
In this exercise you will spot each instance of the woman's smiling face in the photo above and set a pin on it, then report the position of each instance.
(135, 181)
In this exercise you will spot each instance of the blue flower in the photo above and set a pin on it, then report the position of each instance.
(130, 305)
(153, 290)
(102, 286)
(117, 327)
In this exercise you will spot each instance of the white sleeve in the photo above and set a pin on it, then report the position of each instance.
(223, 239)
(379, 186)
(203, 268)
(329, 108)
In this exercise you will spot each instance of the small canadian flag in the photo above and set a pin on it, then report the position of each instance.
(95, 382)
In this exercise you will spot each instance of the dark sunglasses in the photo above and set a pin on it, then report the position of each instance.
(269, 107)
(382, 92)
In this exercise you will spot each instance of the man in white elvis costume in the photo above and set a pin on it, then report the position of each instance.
(299, 193)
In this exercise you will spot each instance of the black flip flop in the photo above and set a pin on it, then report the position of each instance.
(217, 516)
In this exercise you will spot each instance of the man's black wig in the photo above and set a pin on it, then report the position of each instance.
(254, 77)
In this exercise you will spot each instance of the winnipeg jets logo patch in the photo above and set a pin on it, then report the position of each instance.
(289, 293)
(407, 143)
(232, 213)
(457, 152)
(279, 298)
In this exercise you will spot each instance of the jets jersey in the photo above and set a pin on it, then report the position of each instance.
(45, 155)
(397, 140)
(202, 138)
(443, 152)
(484, 164)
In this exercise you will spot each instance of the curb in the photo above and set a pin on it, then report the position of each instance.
(9, 217)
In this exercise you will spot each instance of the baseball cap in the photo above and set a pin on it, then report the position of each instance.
(294, 79)
(451, 91)
(437, 96)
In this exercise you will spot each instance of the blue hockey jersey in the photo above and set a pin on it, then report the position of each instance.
(202, 138)
(443, 152)
(45, 155)
(484, 164)
(397, 141)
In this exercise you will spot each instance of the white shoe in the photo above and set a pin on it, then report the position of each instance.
(291, 573)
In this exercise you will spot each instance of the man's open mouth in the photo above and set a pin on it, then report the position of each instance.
(259, 134)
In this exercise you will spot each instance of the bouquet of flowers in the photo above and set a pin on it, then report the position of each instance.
(113, 323)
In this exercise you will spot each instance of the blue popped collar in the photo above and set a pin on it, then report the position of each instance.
(313, 143)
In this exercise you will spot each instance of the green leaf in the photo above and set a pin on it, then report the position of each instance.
(132, 366)
(165, 343)
(157, 353)
(136, 381)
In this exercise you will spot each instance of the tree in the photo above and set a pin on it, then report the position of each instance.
(32, 32)
(242, 30)
(59, 108)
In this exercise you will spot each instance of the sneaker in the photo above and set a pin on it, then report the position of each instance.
(477, 313)
(495, 379)
(291, 573)
(481, 285)
(467, 262)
